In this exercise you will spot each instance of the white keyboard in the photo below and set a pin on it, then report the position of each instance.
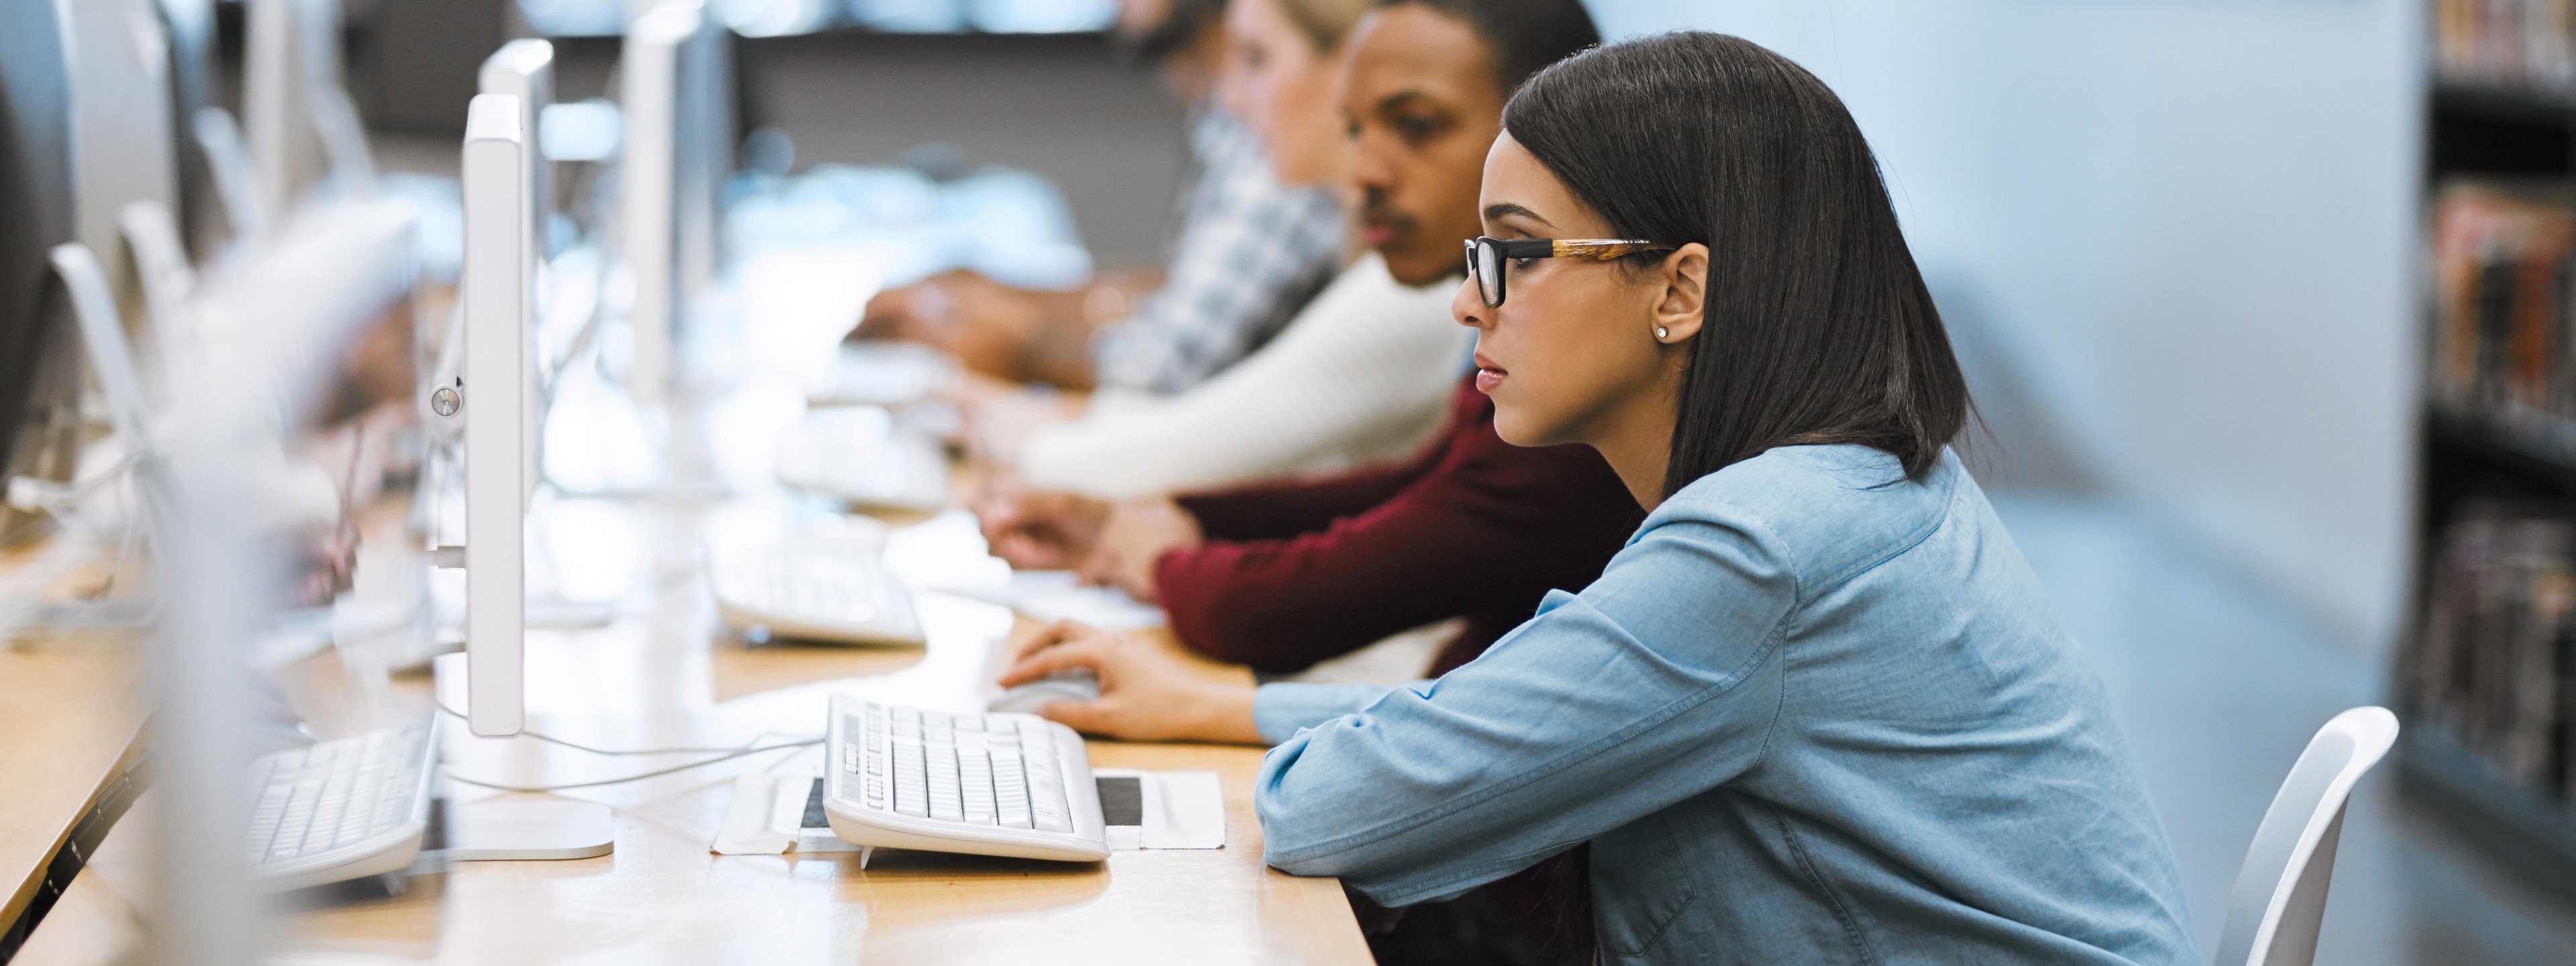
(342, 809)
(812, 593)
(857, 455)
(984, 784)
(886, 373)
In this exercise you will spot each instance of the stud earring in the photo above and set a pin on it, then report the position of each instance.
(1662, 333)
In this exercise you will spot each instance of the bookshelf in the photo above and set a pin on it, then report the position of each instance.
(2486, 674)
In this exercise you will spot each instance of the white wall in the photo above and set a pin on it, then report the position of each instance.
(2188, 224)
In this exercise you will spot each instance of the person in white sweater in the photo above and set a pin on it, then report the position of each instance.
(1363, 372)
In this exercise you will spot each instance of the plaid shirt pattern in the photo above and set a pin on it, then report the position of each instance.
(1251, 253)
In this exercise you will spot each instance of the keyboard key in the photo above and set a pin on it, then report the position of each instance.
(975, 773)
(911, 786)
(942, 766)
(1046, 807)
(1010, 789)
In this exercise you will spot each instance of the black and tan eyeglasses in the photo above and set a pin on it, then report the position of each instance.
(1485, 256)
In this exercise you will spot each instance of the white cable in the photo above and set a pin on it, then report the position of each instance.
(27, 492)
(21, 597)
(452, 776)
(577, 746)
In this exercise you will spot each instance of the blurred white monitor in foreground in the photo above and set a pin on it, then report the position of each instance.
(327, 273)
(678, 105)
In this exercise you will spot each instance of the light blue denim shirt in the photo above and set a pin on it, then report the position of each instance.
(1813, 713)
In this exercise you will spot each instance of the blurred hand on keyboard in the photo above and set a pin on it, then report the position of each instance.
(1137, 534)
(987, 325)
(1041, 529)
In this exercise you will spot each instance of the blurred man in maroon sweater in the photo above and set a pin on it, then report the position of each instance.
(1282, 575)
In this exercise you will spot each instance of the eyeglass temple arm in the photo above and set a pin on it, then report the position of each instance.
(1593, 247)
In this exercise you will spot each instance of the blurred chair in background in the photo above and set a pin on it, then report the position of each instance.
(2280, 898)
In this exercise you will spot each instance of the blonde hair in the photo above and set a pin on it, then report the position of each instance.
(1325, 22)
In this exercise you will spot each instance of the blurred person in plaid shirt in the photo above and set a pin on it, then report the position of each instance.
(1250, 253)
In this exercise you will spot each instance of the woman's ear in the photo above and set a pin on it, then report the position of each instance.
(1684, 301)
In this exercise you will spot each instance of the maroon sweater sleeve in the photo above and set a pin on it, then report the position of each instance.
(1484, 533)
(1275, 511)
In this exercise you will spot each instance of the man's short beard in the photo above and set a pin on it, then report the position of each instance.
(1156, 44)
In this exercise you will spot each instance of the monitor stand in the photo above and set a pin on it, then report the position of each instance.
(519, 826)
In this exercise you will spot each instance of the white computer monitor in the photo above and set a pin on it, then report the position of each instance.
(303, 126)
(495, 400)
(121, 122)
(525, 69)
(676, 96)
(289, 50)
(103, 341)
(495, 397)
(127, 197)
(189, 26)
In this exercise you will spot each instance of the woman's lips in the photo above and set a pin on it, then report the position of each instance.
(1488, 375)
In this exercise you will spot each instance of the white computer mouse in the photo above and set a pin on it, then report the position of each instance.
(1076, 685)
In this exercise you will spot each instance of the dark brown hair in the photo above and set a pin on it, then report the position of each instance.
(1522, 35)
(1818, 328)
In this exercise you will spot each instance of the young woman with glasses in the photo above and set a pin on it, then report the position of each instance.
(1817, 710)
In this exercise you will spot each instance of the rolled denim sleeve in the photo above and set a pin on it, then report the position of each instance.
(1657, 683)
(1279, 711)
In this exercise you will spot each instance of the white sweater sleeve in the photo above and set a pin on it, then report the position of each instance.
(1361, 374)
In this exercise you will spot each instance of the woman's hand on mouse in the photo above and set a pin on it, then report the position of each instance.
(1145, 695)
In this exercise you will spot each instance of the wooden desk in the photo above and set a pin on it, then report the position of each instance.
(659, 678)
(69, 726)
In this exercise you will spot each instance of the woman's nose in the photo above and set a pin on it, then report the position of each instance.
(1468, 307)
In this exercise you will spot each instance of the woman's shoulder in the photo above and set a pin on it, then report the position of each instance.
(1833, 511)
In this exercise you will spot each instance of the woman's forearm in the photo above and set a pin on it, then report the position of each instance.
(1223, 712)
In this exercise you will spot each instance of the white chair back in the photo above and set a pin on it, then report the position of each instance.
(2280, 896)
